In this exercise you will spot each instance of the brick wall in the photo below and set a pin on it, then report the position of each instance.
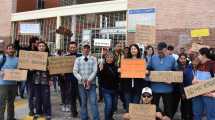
(176, 17)
(26, 5)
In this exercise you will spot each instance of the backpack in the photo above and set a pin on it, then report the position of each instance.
(3, 61)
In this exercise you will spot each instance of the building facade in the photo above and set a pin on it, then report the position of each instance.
(107, 19)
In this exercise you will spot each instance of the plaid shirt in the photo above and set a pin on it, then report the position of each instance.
(85, 70)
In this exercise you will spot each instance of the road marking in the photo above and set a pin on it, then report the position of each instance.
(20, 103)
(31, 118)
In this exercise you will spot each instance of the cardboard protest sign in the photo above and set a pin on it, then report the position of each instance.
(200, 33)
(196, 47)
(131, 68)
(15, 75)
(142, 111)
(166, 76)
(145, 34)
(200, 88)
(60, 64)
(33, 60)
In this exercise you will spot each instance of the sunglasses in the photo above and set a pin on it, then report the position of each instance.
(146, 96)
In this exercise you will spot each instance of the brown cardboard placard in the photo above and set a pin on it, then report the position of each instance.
(142, 112)
(145, 34)
(15, 75)
(131, 68)
(196, 47)
(33, 60)
(167, 76)
(200, 88)
(61, 64)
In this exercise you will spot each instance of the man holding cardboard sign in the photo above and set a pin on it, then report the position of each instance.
(163, 62)
(8, 89)
(145, 109)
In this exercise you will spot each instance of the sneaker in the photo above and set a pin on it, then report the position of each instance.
(36, 117)
(31, 113)
(63, 108)
(67, 108)
(75, 114)
(48, 118)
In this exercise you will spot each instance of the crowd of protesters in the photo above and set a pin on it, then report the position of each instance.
(81, 84)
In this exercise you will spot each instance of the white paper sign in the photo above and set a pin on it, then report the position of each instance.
(29, 28)
(102, 42)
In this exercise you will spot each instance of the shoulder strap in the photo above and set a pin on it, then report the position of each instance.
(3, 61)
(211, 70)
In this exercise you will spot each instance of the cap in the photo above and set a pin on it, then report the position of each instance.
(161, 45)
(86, 45)
(147, 90)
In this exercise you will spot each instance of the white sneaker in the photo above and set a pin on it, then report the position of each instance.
(63, 108)
(67, 108)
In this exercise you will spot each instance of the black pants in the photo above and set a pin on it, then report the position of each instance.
(43, 100)
(31, 94)
(7, 98)
(65, 88)
(74, 96)
(167, 101)
(176, 100)
(186, 109)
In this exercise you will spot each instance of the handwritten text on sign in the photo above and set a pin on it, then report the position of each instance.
(33, 60)
(15, 75)
(200, 88)
(142, 111)
(167, 76)
(145, 34)
(102, 42)
(133, 68)
(61, 64)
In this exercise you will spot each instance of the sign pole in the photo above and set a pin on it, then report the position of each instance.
(102, 53)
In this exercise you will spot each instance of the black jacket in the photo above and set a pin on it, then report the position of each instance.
(109, 77)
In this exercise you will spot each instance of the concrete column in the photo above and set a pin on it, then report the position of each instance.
(58, 24)
(73, 25)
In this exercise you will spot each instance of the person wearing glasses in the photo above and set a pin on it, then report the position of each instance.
(146, 98)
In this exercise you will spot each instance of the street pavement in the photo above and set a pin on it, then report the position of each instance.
(21, 110)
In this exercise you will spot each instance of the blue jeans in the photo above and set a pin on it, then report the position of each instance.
(109, 100)
(91, 95)
(203, 104)
(131, 97)
(21, 88)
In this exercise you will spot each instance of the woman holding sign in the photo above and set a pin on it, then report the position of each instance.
(132, 86)
(205, 71)
(186, 104)
(42, 89)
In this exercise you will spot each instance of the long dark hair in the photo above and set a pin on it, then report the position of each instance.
(207, 52)
(138, 50)
(147, 48)
(178, 61)
(47, 48)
